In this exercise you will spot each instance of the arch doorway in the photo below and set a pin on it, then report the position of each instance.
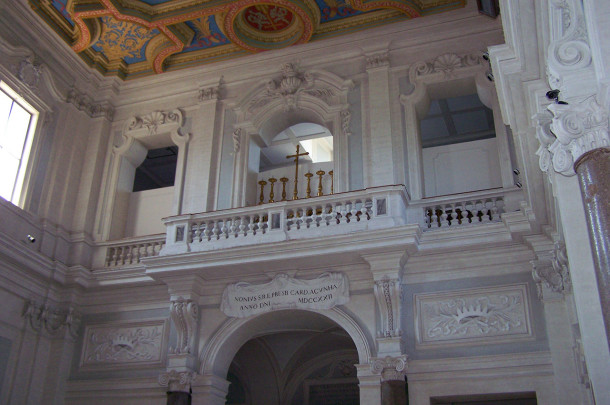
(292, 357)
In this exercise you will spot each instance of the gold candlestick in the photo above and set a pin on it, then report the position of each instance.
(284, 180)
(332, 181)
(271, 195)
(295, 194)
(262, 198)
(320, 173)
(309, 176)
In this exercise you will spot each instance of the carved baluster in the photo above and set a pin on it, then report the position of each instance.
(252, 225)
(309, 176)
(320, 173)
(487, 211)
(207, 231)
(224, 229)
(470, 214)
(121, 260)
(353, 211)
(109, 254)
(451, 214)
(262, 196)
(435, 218)
(216, 230)
(443, 217)
(479, 210)
(243, 229)
(315, 217)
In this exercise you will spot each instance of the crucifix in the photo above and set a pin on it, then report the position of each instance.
(295, 194)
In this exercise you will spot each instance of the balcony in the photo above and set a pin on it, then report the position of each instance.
(360, 214)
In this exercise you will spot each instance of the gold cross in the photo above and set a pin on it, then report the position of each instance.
(295, 194)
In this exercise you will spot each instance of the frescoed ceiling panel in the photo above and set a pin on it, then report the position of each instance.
(135, 38)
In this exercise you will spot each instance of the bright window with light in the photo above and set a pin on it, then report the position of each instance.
(17, 122)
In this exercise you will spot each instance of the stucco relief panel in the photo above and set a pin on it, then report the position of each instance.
(117, 345)
(490, 315)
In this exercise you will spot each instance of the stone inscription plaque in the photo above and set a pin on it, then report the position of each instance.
(241, 300)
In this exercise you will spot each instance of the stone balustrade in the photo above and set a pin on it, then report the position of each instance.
(336, 214)
(467, 209)
(129, 252)
(316, 217)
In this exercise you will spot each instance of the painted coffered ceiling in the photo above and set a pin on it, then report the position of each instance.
(135, 38)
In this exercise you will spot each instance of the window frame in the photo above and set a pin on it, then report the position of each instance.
(22, 180)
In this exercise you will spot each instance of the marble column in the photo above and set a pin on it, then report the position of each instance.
(593, 169)
(178, 386)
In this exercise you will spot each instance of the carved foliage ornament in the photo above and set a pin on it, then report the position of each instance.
(84, 103)
(288, 87)
(446, 64)
(377, 60)
(29, 72)
(124, 344)
(50, 320)
(551, 271)
(154, 120)
(473, 314)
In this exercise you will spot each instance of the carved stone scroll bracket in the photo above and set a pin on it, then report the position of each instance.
(390, 368)
(184, 315)
(551, 272)
(177, 381)
(387, 294)
(51, 321)
(569, 66)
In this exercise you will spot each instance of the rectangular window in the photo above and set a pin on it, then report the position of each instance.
(17, 123)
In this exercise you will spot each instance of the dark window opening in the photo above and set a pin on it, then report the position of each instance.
(158, 169)
(455, 120)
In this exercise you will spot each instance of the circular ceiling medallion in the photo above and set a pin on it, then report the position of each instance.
(268, 18)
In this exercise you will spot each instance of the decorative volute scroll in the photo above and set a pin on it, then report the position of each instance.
(177, 381)
(550, 271)
(569, 66)
(579, 128)
(51, 321)
(387, 295)
(390, 367)
(184, 315)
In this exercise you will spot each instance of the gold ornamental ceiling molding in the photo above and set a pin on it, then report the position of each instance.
(135, 38)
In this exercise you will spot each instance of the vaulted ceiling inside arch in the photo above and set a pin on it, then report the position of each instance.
(135, 38)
